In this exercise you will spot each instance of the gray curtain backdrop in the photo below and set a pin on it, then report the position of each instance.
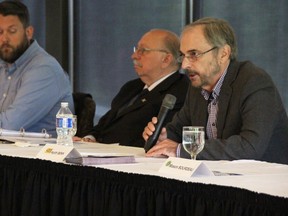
(262, 30)
(106, 32)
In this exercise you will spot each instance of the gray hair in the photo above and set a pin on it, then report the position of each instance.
(217, 32)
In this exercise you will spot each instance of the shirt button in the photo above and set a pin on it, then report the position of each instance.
(213, 124)
(4, 95)
(9, 77)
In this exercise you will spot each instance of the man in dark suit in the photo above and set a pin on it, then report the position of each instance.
(245, 118)
(155, 61)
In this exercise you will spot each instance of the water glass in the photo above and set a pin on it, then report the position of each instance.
(74, 125)
(193, 140)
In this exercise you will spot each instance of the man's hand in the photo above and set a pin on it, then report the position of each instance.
(75, 138)
(88, 139)
(150, 128)
(166, 147)
(85, 139)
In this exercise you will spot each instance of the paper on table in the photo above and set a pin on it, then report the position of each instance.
(85, 142)
(27, 144)
(103, 154)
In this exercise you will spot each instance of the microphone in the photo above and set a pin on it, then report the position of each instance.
(167, 104)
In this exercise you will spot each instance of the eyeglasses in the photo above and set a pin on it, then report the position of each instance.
(141, 50)
(193, 55)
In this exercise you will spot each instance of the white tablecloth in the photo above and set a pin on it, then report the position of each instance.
(257, 176)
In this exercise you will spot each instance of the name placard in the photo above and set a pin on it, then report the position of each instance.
(185, 167)
(57, 153)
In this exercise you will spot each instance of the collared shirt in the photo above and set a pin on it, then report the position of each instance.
(211, 128)
(31, 90)
(212, 110)
(151, 87)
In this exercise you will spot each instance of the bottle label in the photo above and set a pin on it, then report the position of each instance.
(64, 123)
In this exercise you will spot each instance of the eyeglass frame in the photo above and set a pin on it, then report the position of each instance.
(140, 51)
(193, 57)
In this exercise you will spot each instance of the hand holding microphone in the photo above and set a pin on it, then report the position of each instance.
(150, 128)
(167, 105)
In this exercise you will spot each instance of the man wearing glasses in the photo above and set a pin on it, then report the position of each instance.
(155, 62)
(236, 102)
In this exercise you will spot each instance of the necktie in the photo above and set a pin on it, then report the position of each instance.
(134, 99)
(138, 96)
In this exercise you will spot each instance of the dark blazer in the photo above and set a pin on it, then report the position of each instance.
(251, 121)
(126, 128)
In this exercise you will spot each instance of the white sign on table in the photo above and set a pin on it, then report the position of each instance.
(185, 167)
(57, 153)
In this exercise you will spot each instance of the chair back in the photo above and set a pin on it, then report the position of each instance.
(85, 108)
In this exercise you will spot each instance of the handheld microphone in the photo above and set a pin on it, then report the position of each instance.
(167, 104)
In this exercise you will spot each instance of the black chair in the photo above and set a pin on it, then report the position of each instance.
(85, 108)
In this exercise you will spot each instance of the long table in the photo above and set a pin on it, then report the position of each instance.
(30, 186)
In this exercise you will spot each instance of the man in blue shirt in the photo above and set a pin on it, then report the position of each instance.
(32, 83)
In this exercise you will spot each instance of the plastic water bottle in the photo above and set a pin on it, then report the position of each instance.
(64, 125)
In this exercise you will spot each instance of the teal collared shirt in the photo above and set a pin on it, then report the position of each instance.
(31, 90)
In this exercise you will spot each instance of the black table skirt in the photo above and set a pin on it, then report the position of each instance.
(37, 187)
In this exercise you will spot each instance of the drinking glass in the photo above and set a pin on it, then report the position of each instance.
(74, 125)
(193, 140)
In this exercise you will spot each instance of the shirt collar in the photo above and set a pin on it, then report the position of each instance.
(151, 87)
(216, 90)
(23, 58)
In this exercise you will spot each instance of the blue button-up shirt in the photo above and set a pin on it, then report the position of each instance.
(31, 90)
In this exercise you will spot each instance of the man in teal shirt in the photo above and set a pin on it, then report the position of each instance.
(32, 82)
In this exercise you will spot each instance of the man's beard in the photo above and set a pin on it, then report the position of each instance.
(14, 52)
(205, 79)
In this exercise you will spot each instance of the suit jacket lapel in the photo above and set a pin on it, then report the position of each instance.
(123, 98)
(136, 105)
(225, 97)
(163, 86)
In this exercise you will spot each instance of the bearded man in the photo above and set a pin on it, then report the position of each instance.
(32, 83)
(236, 102)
